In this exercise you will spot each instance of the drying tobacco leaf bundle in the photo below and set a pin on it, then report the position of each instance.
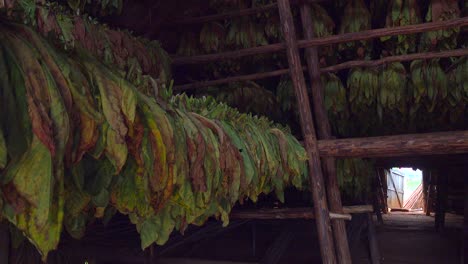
(401, 13)
(429, 83)
(97, 145)
(392, 94)
(356, 18)
(354, 176)
(212, 37)
(116, 48)
(336, 103)
(323, 26)
(363, 88)
(244, 32)
(247, 97)
(441, 10)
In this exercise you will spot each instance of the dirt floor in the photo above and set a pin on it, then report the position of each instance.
(410, 238)
(405, 238)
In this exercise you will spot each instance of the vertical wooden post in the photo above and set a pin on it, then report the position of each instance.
(327, 247)
(324, 132)
(373, 243)
(442, 181)
(4, 243)
(425, 182)
(430, 192)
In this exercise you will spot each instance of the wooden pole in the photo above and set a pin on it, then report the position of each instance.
(442, 182)
(455, 142)
(324, 132)
(297, 213)
(373, 242)
(327, 247)
(334, 68)
(335, 39)
(425, 182)
(429, 194)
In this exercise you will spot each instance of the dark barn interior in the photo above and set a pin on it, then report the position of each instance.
(233, 131)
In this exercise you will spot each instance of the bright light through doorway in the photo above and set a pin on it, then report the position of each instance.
(413, 178)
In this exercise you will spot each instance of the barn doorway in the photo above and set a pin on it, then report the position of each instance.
(405, 189)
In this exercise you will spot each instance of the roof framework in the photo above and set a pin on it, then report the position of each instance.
(391, 146)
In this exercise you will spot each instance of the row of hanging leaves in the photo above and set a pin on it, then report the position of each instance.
(93, 145)
(136, 58)
(394, 98)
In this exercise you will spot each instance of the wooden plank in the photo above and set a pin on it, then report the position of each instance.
(341, 38)
(327, 247)
(324, 132)
(334, 68)
(455, 142)
(296, 213)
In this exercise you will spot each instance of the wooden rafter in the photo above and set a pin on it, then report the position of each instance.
(294, 213)
(455, 142)
(334, 68)
(341, 38)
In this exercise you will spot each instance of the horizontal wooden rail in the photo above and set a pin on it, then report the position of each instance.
(334, 68)
(399, 58)
(297, 213)
(455, 142)
(241, 78)
(363, 35)
(233, 14)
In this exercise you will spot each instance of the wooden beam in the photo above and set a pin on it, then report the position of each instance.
(343, 254)
(297, 213)
(334, 68)
(341, 38)
(455, 142)
(233, 14)
(327, 247)
(399, 58)
(240, 78)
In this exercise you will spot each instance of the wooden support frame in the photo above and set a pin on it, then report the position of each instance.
(324, 132)
(297, 213)
(441, 204)
(327, 247)
(455, 142)
(336, 39)
(334, 68)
